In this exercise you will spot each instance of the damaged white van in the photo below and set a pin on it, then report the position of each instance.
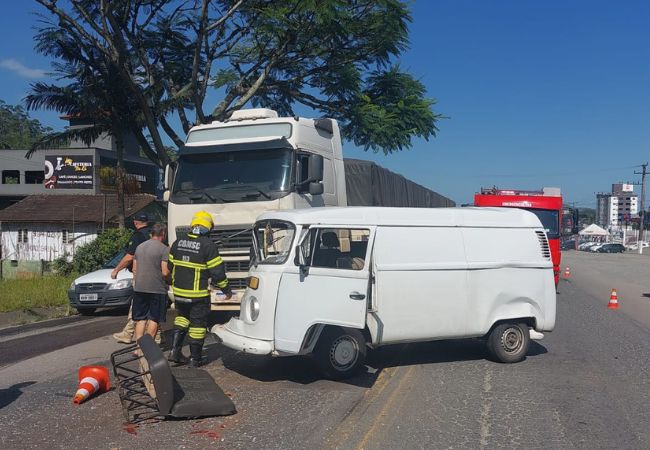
(333, 281)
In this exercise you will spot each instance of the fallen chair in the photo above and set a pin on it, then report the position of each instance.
(149, 388)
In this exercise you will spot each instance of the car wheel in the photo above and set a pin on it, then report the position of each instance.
(508, 342)
(340, 352)
(86, 311)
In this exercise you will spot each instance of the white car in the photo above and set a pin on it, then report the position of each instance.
(635, 246)
(98, 290)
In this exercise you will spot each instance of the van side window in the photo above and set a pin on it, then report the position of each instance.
(340, 248)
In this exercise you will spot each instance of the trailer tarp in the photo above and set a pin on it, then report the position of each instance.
(369, 184)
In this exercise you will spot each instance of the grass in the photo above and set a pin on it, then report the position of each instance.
(26, 294)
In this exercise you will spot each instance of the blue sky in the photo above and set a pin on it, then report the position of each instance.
(553, 93)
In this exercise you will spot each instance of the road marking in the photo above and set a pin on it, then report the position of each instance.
(382, 412)
(487, 407)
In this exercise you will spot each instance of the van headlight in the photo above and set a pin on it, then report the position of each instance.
(72, 286)
(253, 308)
(121, 284)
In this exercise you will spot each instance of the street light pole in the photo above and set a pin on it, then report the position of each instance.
(642, 207)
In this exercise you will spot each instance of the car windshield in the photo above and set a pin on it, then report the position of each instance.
(114, 261)
(233, 176)
(273, 239)
(550, 221)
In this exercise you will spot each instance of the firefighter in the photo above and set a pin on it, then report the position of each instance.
(193, 261)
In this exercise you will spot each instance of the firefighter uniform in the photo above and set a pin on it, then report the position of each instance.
(194, 261)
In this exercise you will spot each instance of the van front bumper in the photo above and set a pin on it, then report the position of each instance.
(245, 344)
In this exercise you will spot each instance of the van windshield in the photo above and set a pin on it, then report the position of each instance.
(273, 241)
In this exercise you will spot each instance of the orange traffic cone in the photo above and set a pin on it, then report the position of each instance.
(567, 272)
(92, 379)
(613, 300)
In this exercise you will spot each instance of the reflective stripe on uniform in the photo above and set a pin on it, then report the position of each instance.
(197, 278)
(181, 322)
(222, 284)
(197, 333)
(190, 293)
(214, 262)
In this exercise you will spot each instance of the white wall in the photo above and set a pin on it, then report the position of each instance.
(44, 241)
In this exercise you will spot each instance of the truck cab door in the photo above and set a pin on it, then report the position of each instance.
(329, 287)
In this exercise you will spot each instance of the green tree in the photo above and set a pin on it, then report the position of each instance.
(17, 130)
(335, 56)
(93, 255)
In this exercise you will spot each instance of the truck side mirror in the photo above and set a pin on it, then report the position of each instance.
(315, 168)
(301, 261)
(316, 188)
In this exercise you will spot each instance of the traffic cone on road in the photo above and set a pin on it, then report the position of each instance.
(92, 379)
(567, 272)
(613, 300)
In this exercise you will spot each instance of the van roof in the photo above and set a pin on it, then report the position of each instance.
(441, 217)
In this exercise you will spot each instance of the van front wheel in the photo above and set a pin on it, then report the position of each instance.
(340, 352)
(508, 342)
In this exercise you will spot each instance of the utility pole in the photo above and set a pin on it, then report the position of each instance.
(642, 206)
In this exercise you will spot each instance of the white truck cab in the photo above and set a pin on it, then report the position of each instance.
(333, 281)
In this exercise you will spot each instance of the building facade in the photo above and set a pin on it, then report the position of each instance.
(618, 207)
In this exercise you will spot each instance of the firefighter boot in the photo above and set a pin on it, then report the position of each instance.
(196, 355)
(176, 354)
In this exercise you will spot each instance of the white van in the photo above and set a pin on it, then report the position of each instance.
(333, 281)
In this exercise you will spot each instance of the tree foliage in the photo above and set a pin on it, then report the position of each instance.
(337, 57)
(17, 130)
(93, 255)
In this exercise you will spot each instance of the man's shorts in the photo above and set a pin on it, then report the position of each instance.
(147, 306)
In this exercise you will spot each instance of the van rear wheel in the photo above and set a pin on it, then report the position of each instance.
(340, 352)
(508, 342)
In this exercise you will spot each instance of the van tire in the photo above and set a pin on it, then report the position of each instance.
(508, 342)
(340, 352)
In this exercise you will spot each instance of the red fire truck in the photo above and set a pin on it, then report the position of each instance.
(546, 204)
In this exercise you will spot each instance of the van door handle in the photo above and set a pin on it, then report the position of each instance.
(354, 295)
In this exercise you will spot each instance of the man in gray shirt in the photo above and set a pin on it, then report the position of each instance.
(150, 275)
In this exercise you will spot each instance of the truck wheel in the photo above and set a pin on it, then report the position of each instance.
(508, 342)
(340, 352)
(86, 311)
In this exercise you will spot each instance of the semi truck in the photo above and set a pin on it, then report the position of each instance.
(546, 204)
(257, 162)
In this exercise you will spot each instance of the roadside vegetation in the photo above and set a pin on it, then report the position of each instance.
(27, 294)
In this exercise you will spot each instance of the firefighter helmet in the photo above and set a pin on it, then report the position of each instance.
(203, 219)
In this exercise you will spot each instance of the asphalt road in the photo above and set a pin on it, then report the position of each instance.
(586, 385)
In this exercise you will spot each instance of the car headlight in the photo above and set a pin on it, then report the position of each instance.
(121, 284)
(253, 308)
(72, 286)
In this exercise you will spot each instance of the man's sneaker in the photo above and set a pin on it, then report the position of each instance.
(123, 338)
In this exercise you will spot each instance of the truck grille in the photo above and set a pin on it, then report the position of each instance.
(236, 266)
(237, 283)
(233, 239)
(543, 243)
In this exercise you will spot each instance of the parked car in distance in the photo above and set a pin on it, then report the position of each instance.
(585, 245)
(568, 245)
(98, 290)
(594, 248)
(611, 248)
(635, 246)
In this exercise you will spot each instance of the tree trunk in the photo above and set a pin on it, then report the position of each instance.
(120, 175)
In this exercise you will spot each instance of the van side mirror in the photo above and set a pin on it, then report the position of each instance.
(169, 174)
(301, 261)
(315, 168)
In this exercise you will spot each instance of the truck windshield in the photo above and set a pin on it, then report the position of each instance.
(550, 221)
(233, 176)
(273, 240)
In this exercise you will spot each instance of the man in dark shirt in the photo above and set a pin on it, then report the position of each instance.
(141, 234)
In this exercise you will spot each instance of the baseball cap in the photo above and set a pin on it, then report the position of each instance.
(141, 217)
